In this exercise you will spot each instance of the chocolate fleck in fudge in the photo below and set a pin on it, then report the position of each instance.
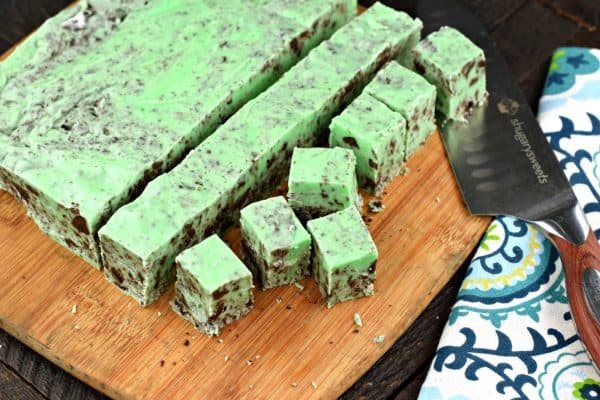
(456, 66)
(408, 93)
(110, 104)
(275, 245)
(344, 256)
(377, 137)
(213, 287)
(322, 181)
(243, 160)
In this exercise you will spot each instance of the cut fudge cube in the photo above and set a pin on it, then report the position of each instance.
(213, 287)
(377, 137)
(411, 95)
(275, 245)
(456, 66)
(322, 181)
(344, 256)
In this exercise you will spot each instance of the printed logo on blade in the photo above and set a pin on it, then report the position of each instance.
(508, 106)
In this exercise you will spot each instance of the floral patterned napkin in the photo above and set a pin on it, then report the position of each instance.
(510, 334)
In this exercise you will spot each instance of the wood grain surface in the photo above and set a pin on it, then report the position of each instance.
(423, 235)
(515, 25)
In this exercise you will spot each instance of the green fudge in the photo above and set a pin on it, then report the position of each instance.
(322, 181)
(245, 158)
(275, 245)
(377, 137)
(344, 256)
(411, 95)
(213, 287)
(456, 66)
(82, 133)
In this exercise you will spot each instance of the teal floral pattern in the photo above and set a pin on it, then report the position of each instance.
(510, 334)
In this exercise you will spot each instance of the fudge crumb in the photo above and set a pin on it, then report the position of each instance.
(378, 339)
(174, 363)
(289, 306)
(314, 385)
(355, 331)
(294, 384)
(186, 342)
(74, 309)
(357, 319)
(278, 299)
(220, 340)
(299, 286)
(159, 314)
(162, 363)
(249, 362)
(376, 206)
(76, 327)
(404, 170)
(226, 358)
(437, 199)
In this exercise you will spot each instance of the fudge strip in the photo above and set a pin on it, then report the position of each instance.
(322, 181)
(377, 137)
(243, 159)
(456, 66)
(275, 245)
(83, 132)
(213, 287)
(410, 94)
(344, 256)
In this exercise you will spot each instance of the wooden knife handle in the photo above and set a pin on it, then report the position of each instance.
(576, 259)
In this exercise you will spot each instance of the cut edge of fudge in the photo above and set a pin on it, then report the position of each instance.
(467, 75)
(287, 259)
(319, 196)
(351, 273)
(377, 45)
(376, 135)
(209, 306)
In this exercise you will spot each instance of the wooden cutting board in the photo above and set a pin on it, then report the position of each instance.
(289, 346)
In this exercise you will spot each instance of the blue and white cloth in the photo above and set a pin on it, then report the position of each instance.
(510, 334)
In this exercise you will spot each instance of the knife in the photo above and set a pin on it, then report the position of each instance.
(505, 166)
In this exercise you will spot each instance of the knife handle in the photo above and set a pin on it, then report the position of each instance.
(576, 260)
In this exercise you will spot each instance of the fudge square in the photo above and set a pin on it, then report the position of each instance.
(411, 95)
(322, 181)
(376, 135)
(213, 287)
(344, 256)
(275, 245)
(456, 66)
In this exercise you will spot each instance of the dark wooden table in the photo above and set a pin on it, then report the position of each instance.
(527, 31)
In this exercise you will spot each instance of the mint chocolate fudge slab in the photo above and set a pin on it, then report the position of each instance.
(213, 287)
(242, 160)
(88, 134)
(275, 245)
(410, 94)
(376, 135)
(344, 256)
(456, 66)
(322, 181)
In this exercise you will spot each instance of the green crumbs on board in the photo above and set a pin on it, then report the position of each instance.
(376, 135)
(243, 160)
(409, 94)
(275, 245)
(213, 287)
(344, 256)
(322, 180)
(456, 66)
(103, 99)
